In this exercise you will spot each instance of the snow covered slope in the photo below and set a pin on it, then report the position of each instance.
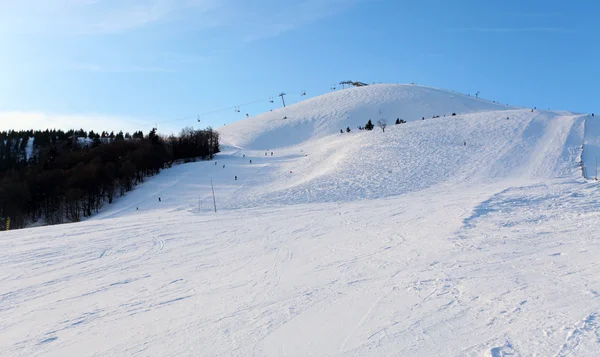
(472, 235)
(353, 107)
(372, 164)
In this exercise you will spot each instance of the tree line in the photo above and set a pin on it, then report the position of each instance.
(63, 176)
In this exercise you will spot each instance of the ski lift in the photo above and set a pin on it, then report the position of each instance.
(333, 88)
(303, 93)
(198, 119)
(237, 109)
(270, 99)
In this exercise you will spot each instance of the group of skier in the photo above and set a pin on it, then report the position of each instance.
(244, 156)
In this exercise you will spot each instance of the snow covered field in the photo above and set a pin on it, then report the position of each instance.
(403, 243)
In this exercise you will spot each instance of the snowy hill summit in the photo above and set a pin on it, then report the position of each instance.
(327, 114)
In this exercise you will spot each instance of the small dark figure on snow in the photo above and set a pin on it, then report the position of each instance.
(244, 155)
(341, 131)
(250, 161)
(236, 178)
(265, 154)
(159, 200)
(137, 208)
(223, 166)
(465, 143)
(271, 153)
(215, 163)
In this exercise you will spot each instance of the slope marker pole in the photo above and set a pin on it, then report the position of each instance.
(213, 192)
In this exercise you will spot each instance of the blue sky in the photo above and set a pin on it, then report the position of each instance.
(117, 64)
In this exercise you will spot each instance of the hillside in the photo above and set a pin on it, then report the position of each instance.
(466, 235)
(360, 165)
(327, 114)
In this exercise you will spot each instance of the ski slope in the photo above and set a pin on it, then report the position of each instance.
(403, 243)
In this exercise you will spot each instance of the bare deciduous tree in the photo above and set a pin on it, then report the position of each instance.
(382, 123)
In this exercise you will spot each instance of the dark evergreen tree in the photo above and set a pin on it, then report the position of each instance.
(369, 125)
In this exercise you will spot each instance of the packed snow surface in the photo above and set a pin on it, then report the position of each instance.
(466, 235)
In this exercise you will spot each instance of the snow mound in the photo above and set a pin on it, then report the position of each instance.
(327, 114)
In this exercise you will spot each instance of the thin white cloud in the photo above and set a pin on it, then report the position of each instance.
(248, 19)
(515, 29)
(93, 16)
(224, 24)
(285, 16)
(532, 14)
(23, 120)
(121, 69)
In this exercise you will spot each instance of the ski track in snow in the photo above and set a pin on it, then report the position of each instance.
(403, 243)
